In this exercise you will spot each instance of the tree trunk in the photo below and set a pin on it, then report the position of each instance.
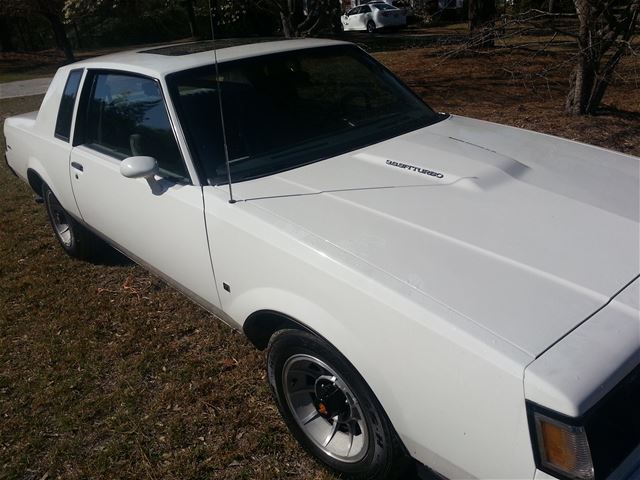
(287, 28)
(214, 17)
(551, 5)
(60, 35)
(581, 84)
(76, 30)
(191, 17)
(482, 15)
(5, 35)
(473, 15)
(602, 27)
(26, 40)
(583, 76)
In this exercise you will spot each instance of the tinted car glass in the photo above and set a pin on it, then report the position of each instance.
(365, 9)
(68, 101)
(285, 110)
(127, 116)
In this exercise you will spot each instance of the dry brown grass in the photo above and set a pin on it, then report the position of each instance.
(105, 372)
(482, 87)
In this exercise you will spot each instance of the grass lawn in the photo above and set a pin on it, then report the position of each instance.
(25, 66)
(106, 372)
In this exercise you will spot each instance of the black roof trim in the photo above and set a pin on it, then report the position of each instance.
(198, 47)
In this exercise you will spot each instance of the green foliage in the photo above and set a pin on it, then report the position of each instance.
(41, 24)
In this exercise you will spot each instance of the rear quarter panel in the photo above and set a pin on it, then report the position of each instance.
(31, 145)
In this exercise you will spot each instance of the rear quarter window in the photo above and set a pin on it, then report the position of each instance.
(67, 103)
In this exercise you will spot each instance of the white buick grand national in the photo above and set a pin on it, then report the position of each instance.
(428, 286)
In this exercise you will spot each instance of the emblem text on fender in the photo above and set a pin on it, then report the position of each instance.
(424, 171)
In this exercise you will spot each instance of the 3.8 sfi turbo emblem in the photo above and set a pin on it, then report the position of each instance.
(413, 168)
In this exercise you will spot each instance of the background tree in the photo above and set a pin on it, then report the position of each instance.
(137, 20)
(482, 14)
(189, 8)
(6, 41)
(299, 18)
(52, 10)
(605, 30)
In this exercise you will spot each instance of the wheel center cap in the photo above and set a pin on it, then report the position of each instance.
(330, 399)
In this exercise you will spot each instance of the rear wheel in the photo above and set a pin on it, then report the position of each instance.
(371, 26)
(330, 409)
(75, 239)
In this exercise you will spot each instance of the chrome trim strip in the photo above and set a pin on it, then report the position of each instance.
(178, 133)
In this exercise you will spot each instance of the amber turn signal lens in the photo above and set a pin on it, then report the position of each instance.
(564, 448)
(557, 446)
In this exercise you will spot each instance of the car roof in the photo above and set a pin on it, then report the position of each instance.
(376, 3)
(164, 59)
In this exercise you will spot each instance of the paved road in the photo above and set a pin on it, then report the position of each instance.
(24, 88)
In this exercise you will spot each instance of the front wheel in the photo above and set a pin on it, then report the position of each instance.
(75, 239)
(371, 26)
(330, 409)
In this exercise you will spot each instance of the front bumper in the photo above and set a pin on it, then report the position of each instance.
(628, 470)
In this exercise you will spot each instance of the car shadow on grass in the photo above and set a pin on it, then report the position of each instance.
(110, 257)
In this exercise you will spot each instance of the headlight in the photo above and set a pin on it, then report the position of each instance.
(560, 447)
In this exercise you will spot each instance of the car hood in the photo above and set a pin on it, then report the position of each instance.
(525, 234)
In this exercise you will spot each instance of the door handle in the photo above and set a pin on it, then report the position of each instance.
(77, 166)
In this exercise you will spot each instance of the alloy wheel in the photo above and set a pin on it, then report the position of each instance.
(325, 408)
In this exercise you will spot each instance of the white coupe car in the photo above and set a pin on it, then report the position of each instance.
(373, 16)
(428, 286)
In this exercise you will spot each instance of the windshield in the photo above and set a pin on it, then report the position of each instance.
(286, 110)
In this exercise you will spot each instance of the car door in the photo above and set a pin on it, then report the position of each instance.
(364, 17)
(350, 19)
(158, 221)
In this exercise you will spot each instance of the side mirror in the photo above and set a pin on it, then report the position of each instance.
(139, 167)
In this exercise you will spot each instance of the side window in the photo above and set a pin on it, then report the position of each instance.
(126, 116)
(68, 101)
(354, 11)
(366, 9)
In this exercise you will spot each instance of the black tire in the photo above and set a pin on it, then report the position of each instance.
(76, 241)
(382, 454)
(371, 26)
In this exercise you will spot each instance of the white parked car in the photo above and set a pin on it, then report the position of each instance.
(373, 16)
(428, 286)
